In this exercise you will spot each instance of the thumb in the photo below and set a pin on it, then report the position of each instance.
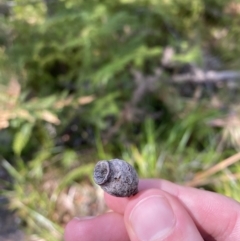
(155, 215)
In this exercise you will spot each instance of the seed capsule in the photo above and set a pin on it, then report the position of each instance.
(116, 177)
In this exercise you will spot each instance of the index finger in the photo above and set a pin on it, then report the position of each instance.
(216, 216)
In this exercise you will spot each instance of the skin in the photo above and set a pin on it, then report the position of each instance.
(161, 211)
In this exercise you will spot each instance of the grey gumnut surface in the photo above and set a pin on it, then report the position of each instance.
(116, 177)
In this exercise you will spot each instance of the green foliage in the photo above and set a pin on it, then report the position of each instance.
(35, 195)
(84, 80)
(32, 202)
(21, 138)
(98, 40)
(161, 150)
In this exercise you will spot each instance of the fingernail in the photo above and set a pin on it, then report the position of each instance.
(152, 219)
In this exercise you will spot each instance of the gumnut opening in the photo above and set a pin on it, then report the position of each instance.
(101, 172)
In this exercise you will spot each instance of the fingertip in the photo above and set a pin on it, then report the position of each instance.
(156, 215)
(69, 230)
(149, 216)
(76, 227)
(109, 226)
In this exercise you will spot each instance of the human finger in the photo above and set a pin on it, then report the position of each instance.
(154, 215)
(109, 226)
(216, 216)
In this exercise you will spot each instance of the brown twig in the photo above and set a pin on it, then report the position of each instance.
(201, 176)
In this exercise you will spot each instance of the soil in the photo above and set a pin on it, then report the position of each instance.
(9, 230)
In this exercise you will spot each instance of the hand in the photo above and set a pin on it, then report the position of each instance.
(162, 211)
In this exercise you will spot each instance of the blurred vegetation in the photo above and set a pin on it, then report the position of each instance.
(88, 80)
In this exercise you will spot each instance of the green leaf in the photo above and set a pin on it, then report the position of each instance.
(12, 171)
(21, 138)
